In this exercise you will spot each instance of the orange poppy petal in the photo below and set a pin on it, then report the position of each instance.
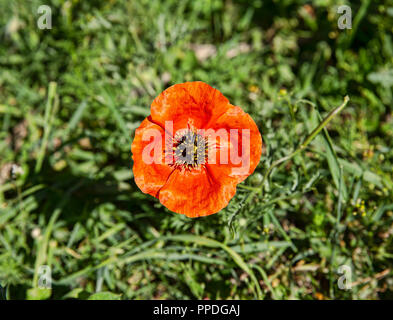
(149, 177)
(196, 192)
(236, 118)
(191, 103)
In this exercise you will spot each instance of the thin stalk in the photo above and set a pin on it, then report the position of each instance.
(307, 141)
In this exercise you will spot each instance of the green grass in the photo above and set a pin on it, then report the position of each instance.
(70, 101)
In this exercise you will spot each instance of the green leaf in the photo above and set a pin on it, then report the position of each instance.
(38, 294)
(105, 295)
(77, 293)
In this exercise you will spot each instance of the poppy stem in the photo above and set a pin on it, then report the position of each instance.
(307, 141)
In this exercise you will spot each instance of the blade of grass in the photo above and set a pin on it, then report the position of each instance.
(275, 257)
(43, 244)
(149, 254)
(336, 233)
(160, 254)
(216, 244)
(356, 22)
(281, 230)
(107, 99)
(267, 281)
(76, 117)
(48, 124)
(259, 246)
(332, 159)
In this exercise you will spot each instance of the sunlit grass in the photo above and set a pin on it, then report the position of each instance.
(71, 98)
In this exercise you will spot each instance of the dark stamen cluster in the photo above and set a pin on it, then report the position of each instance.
(190, 149)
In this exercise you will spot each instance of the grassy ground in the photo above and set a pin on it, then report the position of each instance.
(71, 98)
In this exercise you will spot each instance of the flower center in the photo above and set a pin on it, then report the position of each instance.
(190, 149)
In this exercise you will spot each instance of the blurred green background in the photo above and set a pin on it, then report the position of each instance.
(72, 96)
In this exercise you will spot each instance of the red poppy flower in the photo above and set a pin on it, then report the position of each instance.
(194, 149)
